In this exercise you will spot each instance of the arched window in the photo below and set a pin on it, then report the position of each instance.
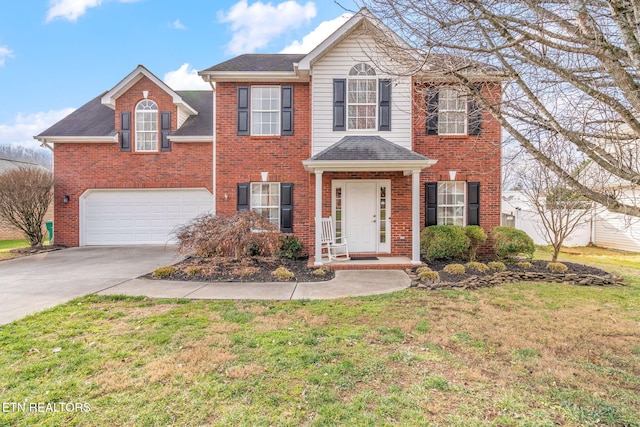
(146, 126)
(362, 90)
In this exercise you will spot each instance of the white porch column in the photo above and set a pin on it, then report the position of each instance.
(415, 217)
(318, 256)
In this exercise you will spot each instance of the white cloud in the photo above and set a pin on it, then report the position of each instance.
(177, 25)
(71, 10)
(5, 53)
(317, 36)
(255, 25)
(185, 78)
(25, 126)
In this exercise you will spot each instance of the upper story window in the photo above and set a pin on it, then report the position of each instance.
(265, 110)
(362, 95)
(362, 101)
(452, 112)
(146, 126)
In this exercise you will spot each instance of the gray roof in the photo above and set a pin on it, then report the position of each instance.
(92, 119)
(6, 165)
(96, 119)
(200, 124)
(259, 62)
(368, 148)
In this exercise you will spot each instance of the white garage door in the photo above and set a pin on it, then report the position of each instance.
(135, 217)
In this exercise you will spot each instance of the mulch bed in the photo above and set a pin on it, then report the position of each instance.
(249, 269)
(31, 250)
(538, 267)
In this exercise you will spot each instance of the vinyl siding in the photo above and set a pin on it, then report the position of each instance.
(336, 64)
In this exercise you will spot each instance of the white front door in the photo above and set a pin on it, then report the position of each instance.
(361, 216)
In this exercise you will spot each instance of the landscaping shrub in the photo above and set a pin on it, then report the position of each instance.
(477, 266)
(525, 265)
(477, 237)
(454, 269)
(443, 241)
(557, 267)
(164, 272)
(422, 269)
(193, 271)
(281, 273)
(320, 272)
(509, 242)
(429, 276)
(290, 247)
(245, 233)
(497, 266)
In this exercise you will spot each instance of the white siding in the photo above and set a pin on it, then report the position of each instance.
(356, 48)
(617, 231)
(183, 115)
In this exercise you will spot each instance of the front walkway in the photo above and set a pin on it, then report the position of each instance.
(345, 284)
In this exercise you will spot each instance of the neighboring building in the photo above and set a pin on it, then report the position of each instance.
(8, 231)
(297, 138)
(602, 228)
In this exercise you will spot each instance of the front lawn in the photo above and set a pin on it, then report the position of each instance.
(7, 245)
(525, 354)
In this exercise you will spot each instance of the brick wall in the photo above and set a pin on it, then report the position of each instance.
(82, 166)
(243, 158)
(475, 158)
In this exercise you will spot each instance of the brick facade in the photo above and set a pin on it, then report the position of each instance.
(82, 166)
(240, 159)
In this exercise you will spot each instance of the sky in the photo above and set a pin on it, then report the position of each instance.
(56, 55)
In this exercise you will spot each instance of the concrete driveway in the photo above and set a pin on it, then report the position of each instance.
(37, 282)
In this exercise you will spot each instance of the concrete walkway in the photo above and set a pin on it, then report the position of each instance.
(347, 283)
(38, 282)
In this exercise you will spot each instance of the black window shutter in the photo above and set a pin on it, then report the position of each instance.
(286, 207)
(473, 204)
(432, 110)
(339, 105)
(125, 131)
(243, 110)
(474, 123)
(243, 196)
(287, 111)
(165, 128)
(384, 94)
(431, 197)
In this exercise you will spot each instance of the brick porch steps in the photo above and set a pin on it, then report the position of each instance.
(384, 262)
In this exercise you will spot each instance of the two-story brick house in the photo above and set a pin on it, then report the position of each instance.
(294, 137)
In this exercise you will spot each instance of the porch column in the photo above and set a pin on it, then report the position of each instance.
(318, 221)
(415, 217)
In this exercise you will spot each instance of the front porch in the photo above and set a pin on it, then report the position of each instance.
(365, 262)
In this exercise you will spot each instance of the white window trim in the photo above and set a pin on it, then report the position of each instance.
(277, 207)
(278, 111)
(373, 77)
(144, 132)
(441, 111)
(464, 204)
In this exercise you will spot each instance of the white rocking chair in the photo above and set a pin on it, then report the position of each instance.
(335, 251)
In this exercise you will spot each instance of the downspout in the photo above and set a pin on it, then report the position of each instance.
(215, 148)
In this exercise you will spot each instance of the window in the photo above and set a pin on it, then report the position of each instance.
(265, 200)
(362, 97)
(452, 112)
(265, 110)
(146, 126)
(451, 203)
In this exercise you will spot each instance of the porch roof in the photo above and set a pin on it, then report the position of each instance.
(367, 153)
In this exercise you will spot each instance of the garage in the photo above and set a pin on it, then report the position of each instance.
(138, 216)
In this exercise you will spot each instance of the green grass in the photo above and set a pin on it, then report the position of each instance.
(524, 354)
(13, 244)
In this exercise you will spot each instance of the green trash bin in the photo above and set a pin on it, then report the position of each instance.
(50, 231)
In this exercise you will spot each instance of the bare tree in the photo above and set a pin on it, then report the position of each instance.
(25, 195)
(570, 67)
(561, 209)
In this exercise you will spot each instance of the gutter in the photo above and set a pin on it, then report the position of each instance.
(215, 147)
